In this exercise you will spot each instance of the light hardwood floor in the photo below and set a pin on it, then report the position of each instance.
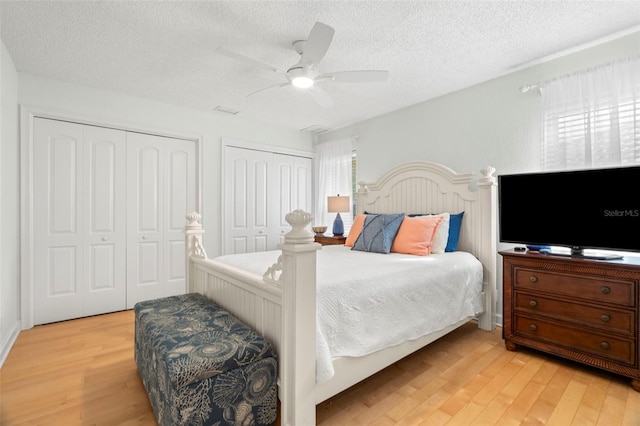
(82, 372)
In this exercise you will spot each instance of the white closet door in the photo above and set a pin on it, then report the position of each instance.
(145, 217)
(78, 204)
(281, 193)
(293, 190)
(260, 189)
(105, 243)
(248, 176)
(180, 196)
(161, 191)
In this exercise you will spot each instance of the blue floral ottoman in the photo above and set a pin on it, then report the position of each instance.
(202, 366)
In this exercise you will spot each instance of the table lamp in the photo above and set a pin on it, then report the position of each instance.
(338, 204)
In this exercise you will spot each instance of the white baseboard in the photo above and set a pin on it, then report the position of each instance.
(7, 344)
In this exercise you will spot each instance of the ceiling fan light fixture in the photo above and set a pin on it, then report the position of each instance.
(302, 82)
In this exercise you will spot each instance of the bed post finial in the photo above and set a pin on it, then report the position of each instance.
(193, 236)
(299, 234)
(487, 175)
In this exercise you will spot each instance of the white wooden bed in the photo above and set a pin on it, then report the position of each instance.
(281, 305)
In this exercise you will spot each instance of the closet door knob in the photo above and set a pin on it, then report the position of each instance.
(144, 237)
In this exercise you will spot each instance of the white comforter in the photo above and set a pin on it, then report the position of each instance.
(370, 301)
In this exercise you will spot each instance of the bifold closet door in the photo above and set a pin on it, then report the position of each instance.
(79, 220)
(260, 188)
(161, 190)
(293, 177)
(248, 177)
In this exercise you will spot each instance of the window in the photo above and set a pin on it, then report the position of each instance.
(592, 118)
(334, 172)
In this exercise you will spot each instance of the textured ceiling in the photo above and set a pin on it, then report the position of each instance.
(166, 50)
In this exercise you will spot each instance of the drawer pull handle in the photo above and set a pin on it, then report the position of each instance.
(605, 318)
(533, 327)
(533, 303)
(533, 279)
(605, 345)
(605, 290)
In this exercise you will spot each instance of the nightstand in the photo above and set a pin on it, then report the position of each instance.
(327, 240)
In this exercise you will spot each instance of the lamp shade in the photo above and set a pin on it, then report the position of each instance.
(338, 204)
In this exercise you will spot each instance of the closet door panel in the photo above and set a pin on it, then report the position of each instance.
(247, 205)
(303, 184)
(259, 209)
(180, 178)
(145, 216)
(105, 220)
(58, 223)
(282, 197)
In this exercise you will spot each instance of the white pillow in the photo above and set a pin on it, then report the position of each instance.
(442, 234)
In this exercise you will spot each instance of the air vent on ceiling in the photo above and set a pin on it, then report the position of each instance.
(315, 129)
(225, 109)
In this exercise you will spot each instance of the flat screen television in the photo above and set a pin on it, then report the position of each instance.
(581, 209)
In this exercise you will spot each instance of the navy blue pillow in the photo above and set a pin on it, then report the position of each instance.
(378, 232)
(455, 222)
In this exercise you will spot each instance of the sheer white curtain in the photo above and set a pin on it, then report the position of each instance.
(333, 166)
(592, 118)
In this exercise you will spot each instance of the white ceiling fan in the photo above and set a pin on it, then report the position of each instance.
(303, 74)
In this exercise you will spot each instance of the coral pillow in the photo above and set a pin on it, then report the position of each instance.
(355, 230)
(416, 235)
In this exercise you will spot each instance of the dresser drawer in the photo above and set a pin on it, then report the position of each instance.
(581, 340)
(590, 288)
(607, 319)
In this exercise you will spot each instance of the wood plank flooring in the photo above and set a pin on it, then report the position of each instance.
(82, 372)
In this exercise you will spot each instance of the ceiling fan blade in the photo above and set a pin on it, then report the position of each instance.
(247, 59)
(321, 97)
(269, 87)
(317, 43)
(365, 76)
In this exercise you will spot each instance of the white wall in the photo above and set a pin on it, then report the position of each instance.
(488, 124)
(9, 212)
(35, 91)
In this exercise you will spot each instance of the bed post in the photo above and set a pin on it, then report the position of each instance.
(193, 245)
(361, 196)
(488, 250)
(298, 351)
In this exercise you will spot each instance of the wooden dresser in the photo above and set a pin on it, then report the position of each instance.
(580, 309)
